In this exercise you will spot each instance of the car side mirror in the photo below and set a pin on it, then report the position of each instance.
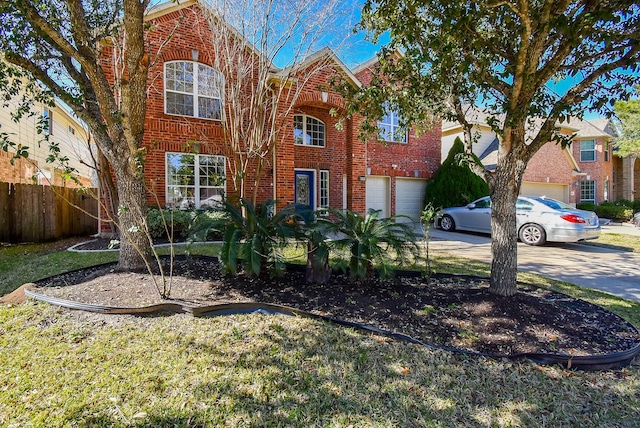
(471, 206)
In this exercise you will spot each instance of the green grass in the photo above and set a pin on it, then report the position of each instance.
(20, 264)
(24, 263)
(617, 241)
(64, 368)
(60, 369)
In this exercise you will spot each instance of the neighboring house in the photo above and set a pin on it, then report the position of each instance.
(625, 178)
(315, 162)
(63, 129)
(592, 148)
(582, 172)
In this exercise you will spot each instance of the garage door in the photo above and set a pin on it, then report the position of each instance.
(553, 191)
(410, 197)
(378, 194)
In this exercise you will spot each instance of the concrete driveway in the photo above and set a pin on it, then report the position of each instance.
(612, 271)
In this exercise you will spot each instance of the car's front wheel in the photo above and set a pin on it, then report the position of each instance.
(447, 224)
(532, 234)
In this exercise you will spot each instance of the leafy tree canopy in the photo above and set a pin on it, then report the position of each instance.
(444, 54)
(628, 126)
(507, 55)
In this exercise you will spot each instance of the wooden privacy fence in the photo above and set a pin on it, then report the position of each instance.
(34, 213)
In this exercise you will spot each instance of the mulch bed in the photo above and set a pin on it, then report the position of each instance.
(447, 310)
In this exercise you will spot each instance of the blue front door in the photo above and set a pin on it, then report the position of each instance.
(305, 189)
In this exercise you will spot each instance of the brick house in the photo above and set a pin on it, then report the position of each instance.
(314, 162)
(583, 172)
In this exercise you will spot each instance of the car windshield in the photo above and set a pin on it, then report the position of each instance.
(556, 205)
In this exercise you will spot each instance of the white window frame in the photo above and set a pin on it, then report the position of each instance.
(607, 151)
(198, 91)
(188, 195)
(389, 127)
(308, 134)
(324, 186)
(584, 190)
(47, 116)
(583, 152)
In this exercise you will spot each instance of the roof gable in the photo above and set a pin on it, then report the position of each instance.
(325, 54)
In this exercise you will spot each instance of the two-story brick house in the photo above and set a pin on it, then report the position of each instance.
(314, 162)
(592, 147)
(582, 172)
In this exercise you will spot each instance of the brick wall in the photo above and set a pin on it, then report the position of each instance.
(598, 170)
(184, 34)
(419, 157)
(23, 171)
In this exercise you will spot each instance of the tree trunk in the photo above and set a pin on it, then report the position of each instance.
(135, 248)
(318, 269)
(504, 234)
(108, 193)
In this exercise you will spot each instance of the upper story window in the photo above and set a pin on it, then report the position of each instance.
(587, 150)
(47, 118)
(607, 151)
(308, 131)
(389, 126)
(193, 89)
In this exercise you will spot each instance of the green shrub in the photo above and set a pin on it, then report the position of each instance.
(587, 206)
(177, 222)
(369, 239)
(253, 235)
(454, 184)
(624, 202)
(614, 211)
(634, 205)
(206, 224)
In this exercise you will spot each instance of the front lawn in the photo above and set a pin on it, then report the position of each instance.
(63, 368)
(70, 369)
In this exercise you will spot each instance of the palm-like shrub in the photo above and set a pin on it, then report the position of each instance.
(253, 235)
(316, 231)
(371, 240)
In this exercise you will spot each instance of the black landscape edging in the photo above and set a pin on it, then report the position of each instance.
(611, 361)
(615, 360)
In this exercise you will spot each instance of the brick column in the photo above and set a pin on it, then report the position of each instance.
(628, 179)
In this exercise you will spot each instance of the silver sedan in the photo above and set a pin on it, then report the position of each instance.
(538, 220)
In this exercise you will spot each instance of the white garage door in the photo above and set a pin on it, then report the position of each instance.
(378, 194)
(410, 197)
(553, 191)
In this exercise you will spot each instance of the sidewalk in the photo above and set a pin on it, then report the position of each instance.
(621, 228)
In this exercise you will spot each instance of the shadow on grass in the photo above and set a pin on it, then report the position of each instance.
(281, 371)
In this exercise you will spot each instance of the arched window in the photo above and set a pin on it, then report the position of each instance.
(308, 131)
(193, 89)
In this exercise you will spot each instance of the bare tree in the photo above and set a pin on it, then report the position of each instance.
(249, 38)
